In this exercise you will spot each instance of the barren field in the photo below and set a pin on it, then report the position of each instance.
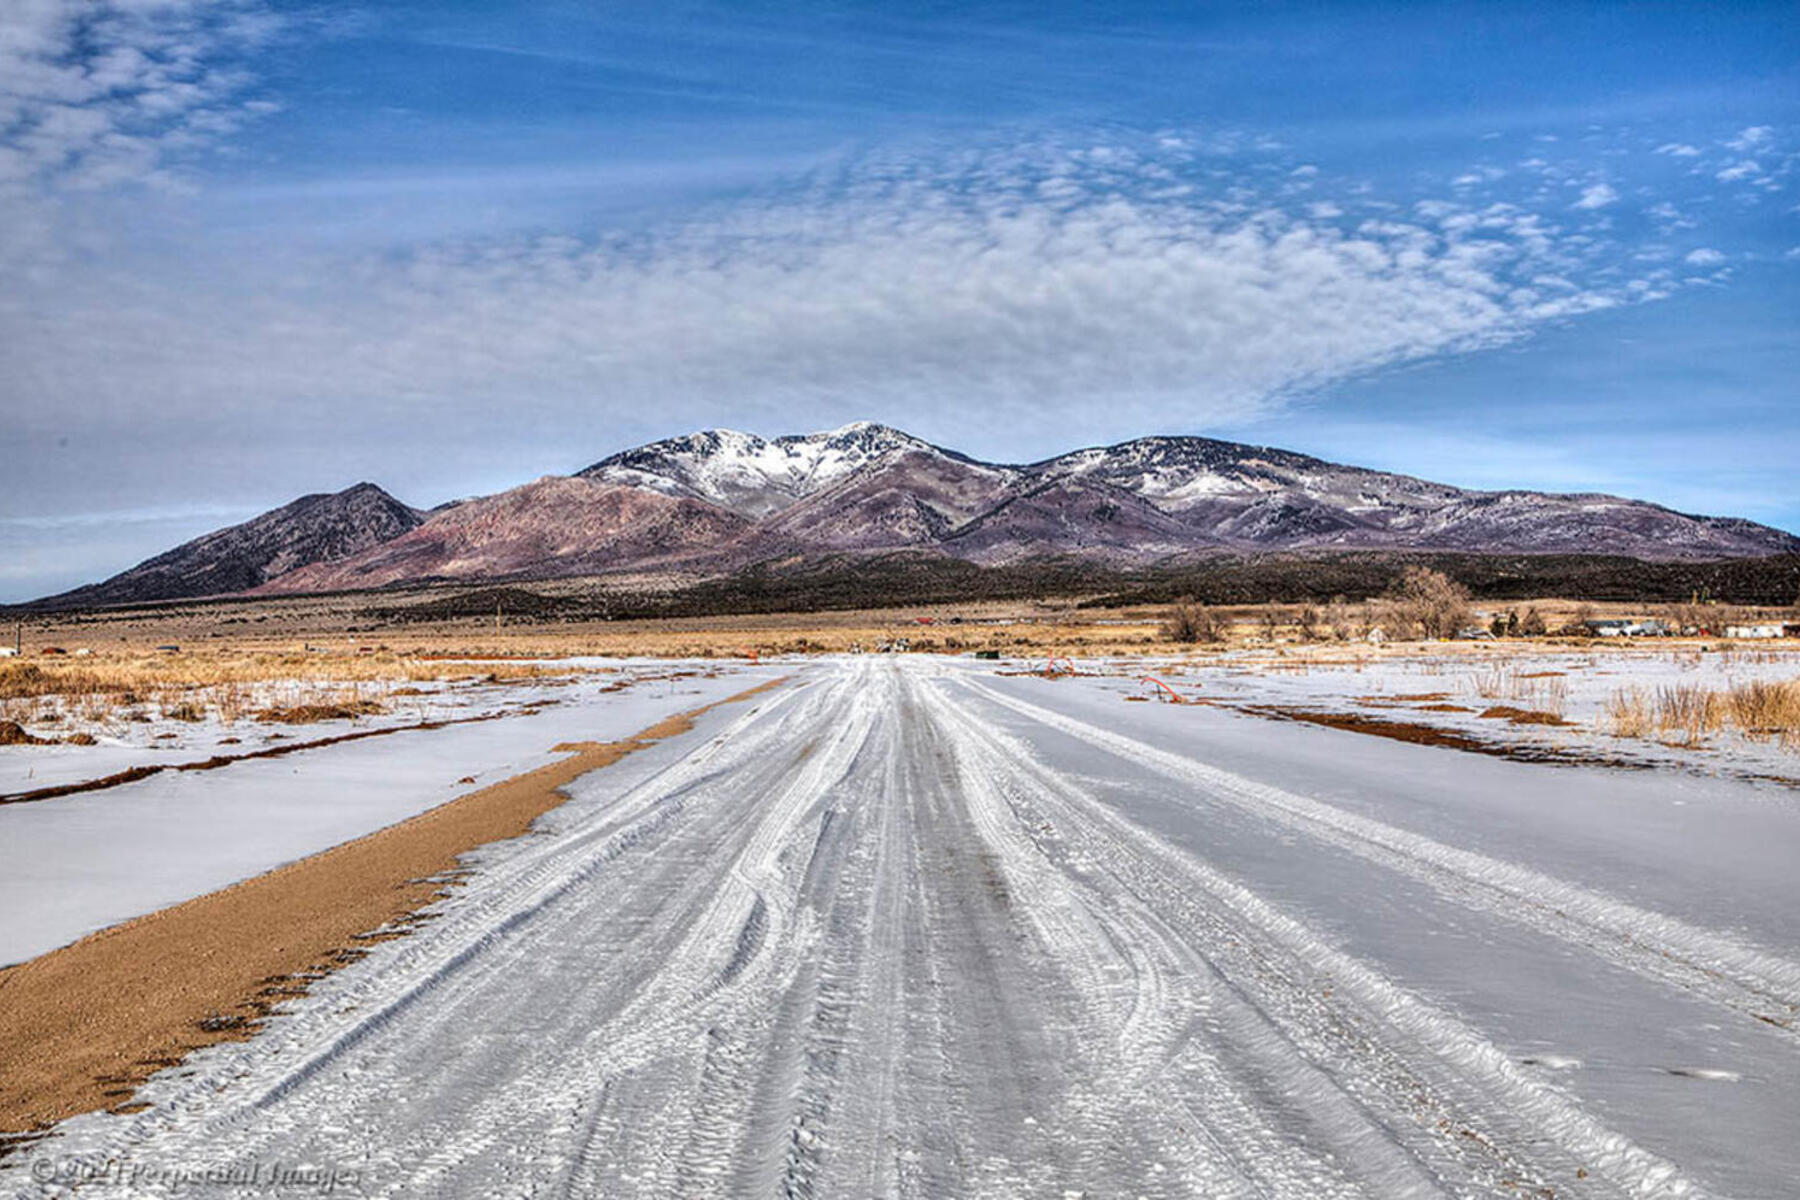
(1104, 916)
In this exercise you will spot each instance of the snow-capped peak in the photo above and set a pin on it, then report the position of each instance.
(753, 475)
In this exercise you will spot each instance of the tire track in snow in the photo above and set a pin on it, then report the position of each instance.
(1722, 969)
(1391, 1056)
(861, 943)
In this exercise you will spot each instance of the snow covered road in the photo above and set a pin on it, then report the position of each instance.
(911, 928)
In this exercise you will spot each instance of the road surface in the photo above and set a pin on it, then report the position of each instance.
(905, 928)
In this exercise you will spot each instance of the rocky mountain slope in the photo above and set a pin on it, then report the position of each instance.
(320, 528)
(714, 502)
(556, 526)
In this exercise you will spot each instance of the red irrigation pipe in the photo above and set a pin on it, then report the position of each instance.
(1050, 666)
(1174, 698)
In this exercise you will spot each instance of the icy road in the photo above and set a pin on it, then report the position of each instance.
(906, 928)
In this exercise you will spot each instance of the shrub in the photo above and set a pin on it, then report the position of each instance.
(1189, 623)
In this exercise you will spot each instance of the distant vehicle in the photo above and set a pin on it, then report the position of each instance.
(171, 648)
(1627, 627)
(989, 655)
(53, 650)
(1754, 631)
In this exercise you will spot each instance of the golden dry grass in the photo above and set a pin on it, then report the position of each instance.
(1689, 713)
(117, 688)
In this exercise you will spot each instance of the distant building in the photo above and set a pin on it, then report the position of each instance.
(7, 652)
(1771, 630)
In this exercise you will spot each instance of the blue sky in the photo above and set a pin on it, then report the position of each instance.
(249, 250)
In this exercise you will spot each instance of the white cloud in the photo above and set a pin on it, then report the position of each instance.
(1705, 256)
(97, 92)
(1746, 169)
(1598, 195)
(1678, 150)
(1668, 217)
(1749, 140)
(894, 287)
(1477, 176)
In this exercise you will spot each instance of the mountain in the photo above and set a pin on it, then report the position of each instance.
(1257, 497)
(718, 502)
(750, 475)
(556, 526)
(320, 528)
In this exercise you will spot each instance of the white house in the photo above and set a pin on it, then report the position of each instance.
(1753, 631)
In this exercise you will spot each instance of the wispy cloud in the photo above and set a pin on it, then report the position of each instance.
(1750, 140)
(97, 92)
(1597, 195)
(1099, 281)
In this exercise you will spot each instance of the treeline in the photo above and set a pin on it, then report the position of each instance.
(840, 582)
(1302, 579)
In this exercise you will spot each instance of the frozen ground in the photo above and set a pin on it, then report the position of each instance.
(909, 927)
(144, 734)
(1452, 690)
(81, 862)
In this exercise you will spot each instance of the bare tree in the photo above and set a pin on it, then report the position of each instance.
(1428, 602)
(1271, 619)
(1338, 615)
(1189, 622)
(1312, 625)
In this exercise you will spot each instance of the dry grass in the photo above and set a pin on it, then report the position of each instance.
(129, 676)
(114, 690)
(306, 714)
(1765, 710)
(1539, 691)
(1689, 713)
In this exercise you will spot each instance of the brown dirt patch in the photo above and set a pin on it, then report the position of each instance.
(1445, 708)
(306, 714)
(1413, 697)
(1400, 731)
(1449, 739)
(1522, 716)
(13, 734)
(83, 1026)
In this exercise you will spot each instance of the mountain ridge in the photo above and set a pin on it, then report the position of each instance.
(317, 526)
(717, 501)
